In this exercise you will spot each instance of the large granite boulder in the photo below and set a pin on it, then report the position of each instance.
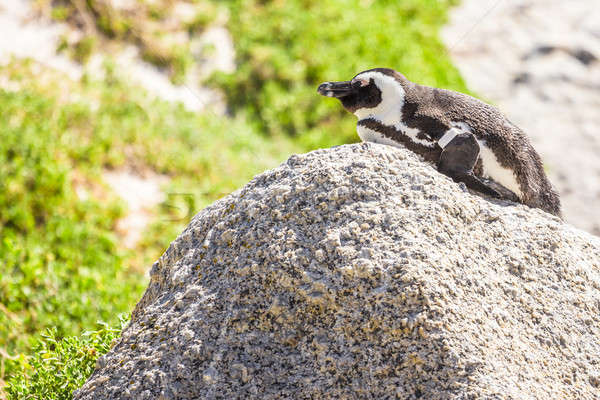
(361, 272)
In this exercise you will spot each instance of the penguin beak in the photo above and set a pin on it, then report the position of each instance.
(335, 89)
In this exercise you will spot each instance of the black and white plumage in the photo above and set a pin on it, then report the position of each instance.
(467, 139)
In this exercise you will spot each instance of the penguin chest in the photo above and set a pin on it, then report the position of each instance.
(492, 169)
(367, 134)
(373, 130)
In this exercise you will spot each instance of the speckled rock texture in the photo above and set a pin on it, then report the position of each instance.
(361, 272)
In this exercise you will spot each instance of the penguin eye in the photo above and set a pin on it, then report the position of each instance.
(358, 82)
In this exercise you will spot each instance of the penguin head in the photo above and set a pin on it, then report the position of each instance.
(370, 93)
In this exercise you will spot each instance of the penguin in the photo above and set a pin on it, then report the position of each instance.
(466, 139)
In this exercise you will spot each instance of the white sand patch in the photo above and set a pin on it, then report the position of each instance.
(221, 54)
(142, 195)
(123, 4)
(193, 97)
(22, 35)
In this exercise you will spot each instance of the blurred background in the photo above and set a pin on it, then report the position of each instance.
(121, 119)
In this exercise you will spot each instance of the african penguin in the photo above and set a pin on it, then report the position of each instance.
(468, 140)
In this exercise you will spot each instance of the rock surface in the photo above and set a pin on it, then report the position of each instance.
(361, 272)
(539, 62)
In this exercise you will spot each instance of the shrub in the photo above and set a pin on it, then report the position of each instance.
(59, 366)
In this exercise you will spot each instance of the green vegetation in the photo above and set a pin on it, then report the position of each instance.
(63, 365)
(63, 267)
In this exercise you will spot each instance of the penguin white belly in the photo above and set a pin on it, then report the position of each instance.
(493, 170)
(369, 135)
(491, 167)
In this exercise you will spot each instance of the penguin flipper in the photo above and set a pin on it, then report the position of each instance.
(458, 159)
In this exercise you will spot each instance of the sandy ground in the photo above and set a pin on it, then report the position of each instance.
(23, 34)
(136, 190)
(538, 61)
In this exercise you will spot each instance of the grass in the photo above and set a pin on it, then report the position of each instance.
(61, 263)
(63, 267)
